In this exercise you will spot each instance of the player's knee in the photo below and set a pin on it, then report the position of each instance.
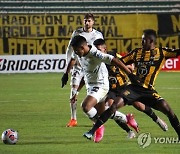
(113, 107)
(139, 106)
(167, 109)
(85, 107)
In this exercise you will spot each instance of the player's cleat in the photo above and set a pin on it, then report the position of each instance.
(99, 133)
(162, 124)
(131, 134)
(88, 135)
(132, 122)
(72, 123)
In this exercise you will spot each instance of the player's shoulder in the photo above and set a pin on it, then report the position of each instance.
(94, 51)
(93, 48)
(78, 31)
(96, 31)
(166, 49)
(136, 49)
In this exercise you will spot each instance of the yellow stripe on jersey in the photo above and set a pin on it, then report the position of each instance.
(147, 56)
(139, 55)
(148, 63)
(148, 78)
(120, 80)
(118, 55)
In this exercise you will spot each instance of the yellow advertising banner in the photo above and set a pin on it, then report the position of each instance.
(50, 33)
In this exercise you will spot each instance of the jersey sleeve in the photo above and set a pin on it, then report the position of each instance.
(69, 50)
(129, 58)
(170, 53)
(106, 58)
(100, 36)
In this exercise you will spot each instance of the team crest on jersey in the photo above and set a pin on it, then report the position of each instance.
(142, 70)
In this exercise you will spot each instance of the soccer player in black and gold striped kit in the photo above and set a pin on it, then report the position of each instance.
(148, 61)
(118, 80)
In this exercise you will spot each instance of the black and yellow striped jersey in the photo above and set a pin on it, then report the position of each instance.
(117, 78)
(148, 63)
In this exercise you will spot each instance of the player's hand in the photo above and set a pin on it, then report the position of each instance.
(134, 79)
(64, 79)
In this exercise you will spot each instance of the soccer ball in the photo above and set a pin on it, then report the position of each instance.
(10, 136)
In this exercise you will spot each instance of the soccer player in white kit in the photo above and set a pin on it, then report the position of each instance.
(96, 80)
(77, 75)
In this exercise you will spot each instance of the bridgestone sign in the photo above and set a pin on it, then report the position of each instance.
(32, 63)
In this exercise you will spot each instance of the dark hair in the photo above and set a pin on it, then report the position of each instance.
(77, 41)
(89, 15)
(151, 33)
(99, 42)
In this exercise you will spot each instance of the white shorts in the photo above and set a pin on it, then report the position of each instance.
(97, 92)
(76, 76)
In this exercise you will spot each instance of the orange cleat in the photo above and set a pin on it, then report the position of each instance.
(132, 122)
(99, 133)
(72, 123)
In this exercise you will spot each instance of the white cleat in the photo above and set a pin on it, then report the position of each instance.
(88, 135)
(162, 124)
(131, 134)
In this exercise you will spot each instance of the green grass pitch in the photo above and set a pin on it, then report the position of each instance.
(36, 106)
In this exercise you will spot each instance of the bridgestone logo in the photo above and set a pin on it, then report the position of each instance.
(41, 64)
(32, 64)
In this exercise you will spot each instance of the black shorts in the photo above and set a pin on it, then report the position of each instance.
(113, 93)
(132, 93)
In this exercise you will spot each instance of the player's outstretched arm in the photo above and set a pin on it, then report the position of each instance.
(133, 78)
(121, 65)
(172, 53)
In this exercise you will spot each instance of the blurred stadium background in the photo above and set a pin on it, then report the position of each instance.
(42, 27)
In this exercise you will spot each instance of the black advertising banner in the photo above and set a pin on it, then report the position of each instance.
(34, 34)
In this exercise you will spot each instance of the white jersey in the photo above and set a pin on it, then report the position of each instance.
(94, 68)
(90, 38)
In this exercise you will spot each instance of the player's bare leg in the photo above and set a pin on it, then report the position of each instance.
(124, 120)
(73, 103)
(99, 133)
(105, 116)
(164, 107)
(148, 111)
(88, 107)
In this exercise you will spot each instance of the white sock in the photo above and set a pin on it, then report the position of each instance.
(73, 105)
(73, 110)
(92, 113)
(120, 116)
